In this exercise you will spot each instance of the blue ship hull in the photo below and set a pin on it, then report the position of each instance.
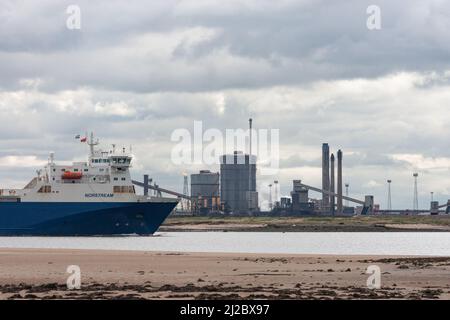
(82, 218)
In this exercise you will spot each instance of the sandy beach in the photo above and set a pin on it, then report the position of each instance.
(41, 273)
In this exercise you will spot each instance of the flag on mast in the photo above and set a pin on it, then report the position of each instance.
(82, 139)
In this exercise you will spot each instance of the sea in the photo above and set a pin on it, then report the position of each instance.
(314, 243)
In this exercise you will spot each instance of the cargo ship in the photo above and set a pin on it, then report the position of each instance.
(93, 198)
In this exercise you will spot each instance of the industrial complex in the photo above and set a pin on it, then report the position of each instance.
(233, 190)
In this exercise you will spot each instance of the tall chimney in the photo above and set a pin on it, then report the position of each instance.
(250, 155)
(325, 176)
(332, 189)
(249, 194)
(339, 183)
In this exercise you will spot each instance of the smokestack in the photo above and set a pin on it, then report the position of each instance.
(250, 131)
(325, 175)
(250, 155)
(332, 198)
(339, 183)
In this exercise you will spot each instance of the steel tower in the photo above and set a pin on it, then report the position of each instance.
(276, 191)
(184, 202)
(389, 202)
(270, 197)
(416, 194)
(346, 194)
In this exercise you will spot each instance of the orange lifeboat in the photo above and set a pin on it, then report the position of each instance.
(68, 175)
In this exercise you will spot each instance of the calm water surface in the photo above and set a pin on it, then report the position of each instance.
(361, 243)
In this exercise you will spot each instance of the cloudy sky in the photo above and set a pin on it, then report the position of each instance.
(138, 70)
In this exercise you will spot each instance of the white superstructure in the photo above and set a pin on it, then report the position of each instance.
(104, 178)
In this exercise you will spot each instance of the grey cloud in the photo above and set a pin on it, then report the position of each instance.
(288, 43)
(352, 160)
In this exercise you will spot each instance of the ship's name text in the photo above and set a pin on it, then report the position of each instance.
(99, 195)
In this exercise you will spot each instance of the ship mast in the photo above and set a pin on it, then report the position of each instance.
(92, 144)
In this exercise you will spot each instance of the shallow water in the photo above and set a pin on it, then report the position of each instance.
(360, 243)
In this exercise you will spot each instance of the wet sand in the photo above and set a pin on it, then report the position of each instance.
(37, 274)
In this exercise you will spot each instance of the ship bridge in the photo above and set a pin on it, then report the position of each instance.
(120, 161)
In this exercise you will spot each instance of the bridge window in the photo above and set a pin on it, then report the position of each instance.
(124, 189)
(121, 160)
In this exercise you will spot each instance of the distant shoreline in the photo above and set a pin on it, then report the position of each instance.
(309, 224)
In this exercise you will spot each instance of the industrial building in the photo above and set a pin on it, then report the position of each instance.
(205, 191)
(238, 182)
(300, 199)
(285, 203)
